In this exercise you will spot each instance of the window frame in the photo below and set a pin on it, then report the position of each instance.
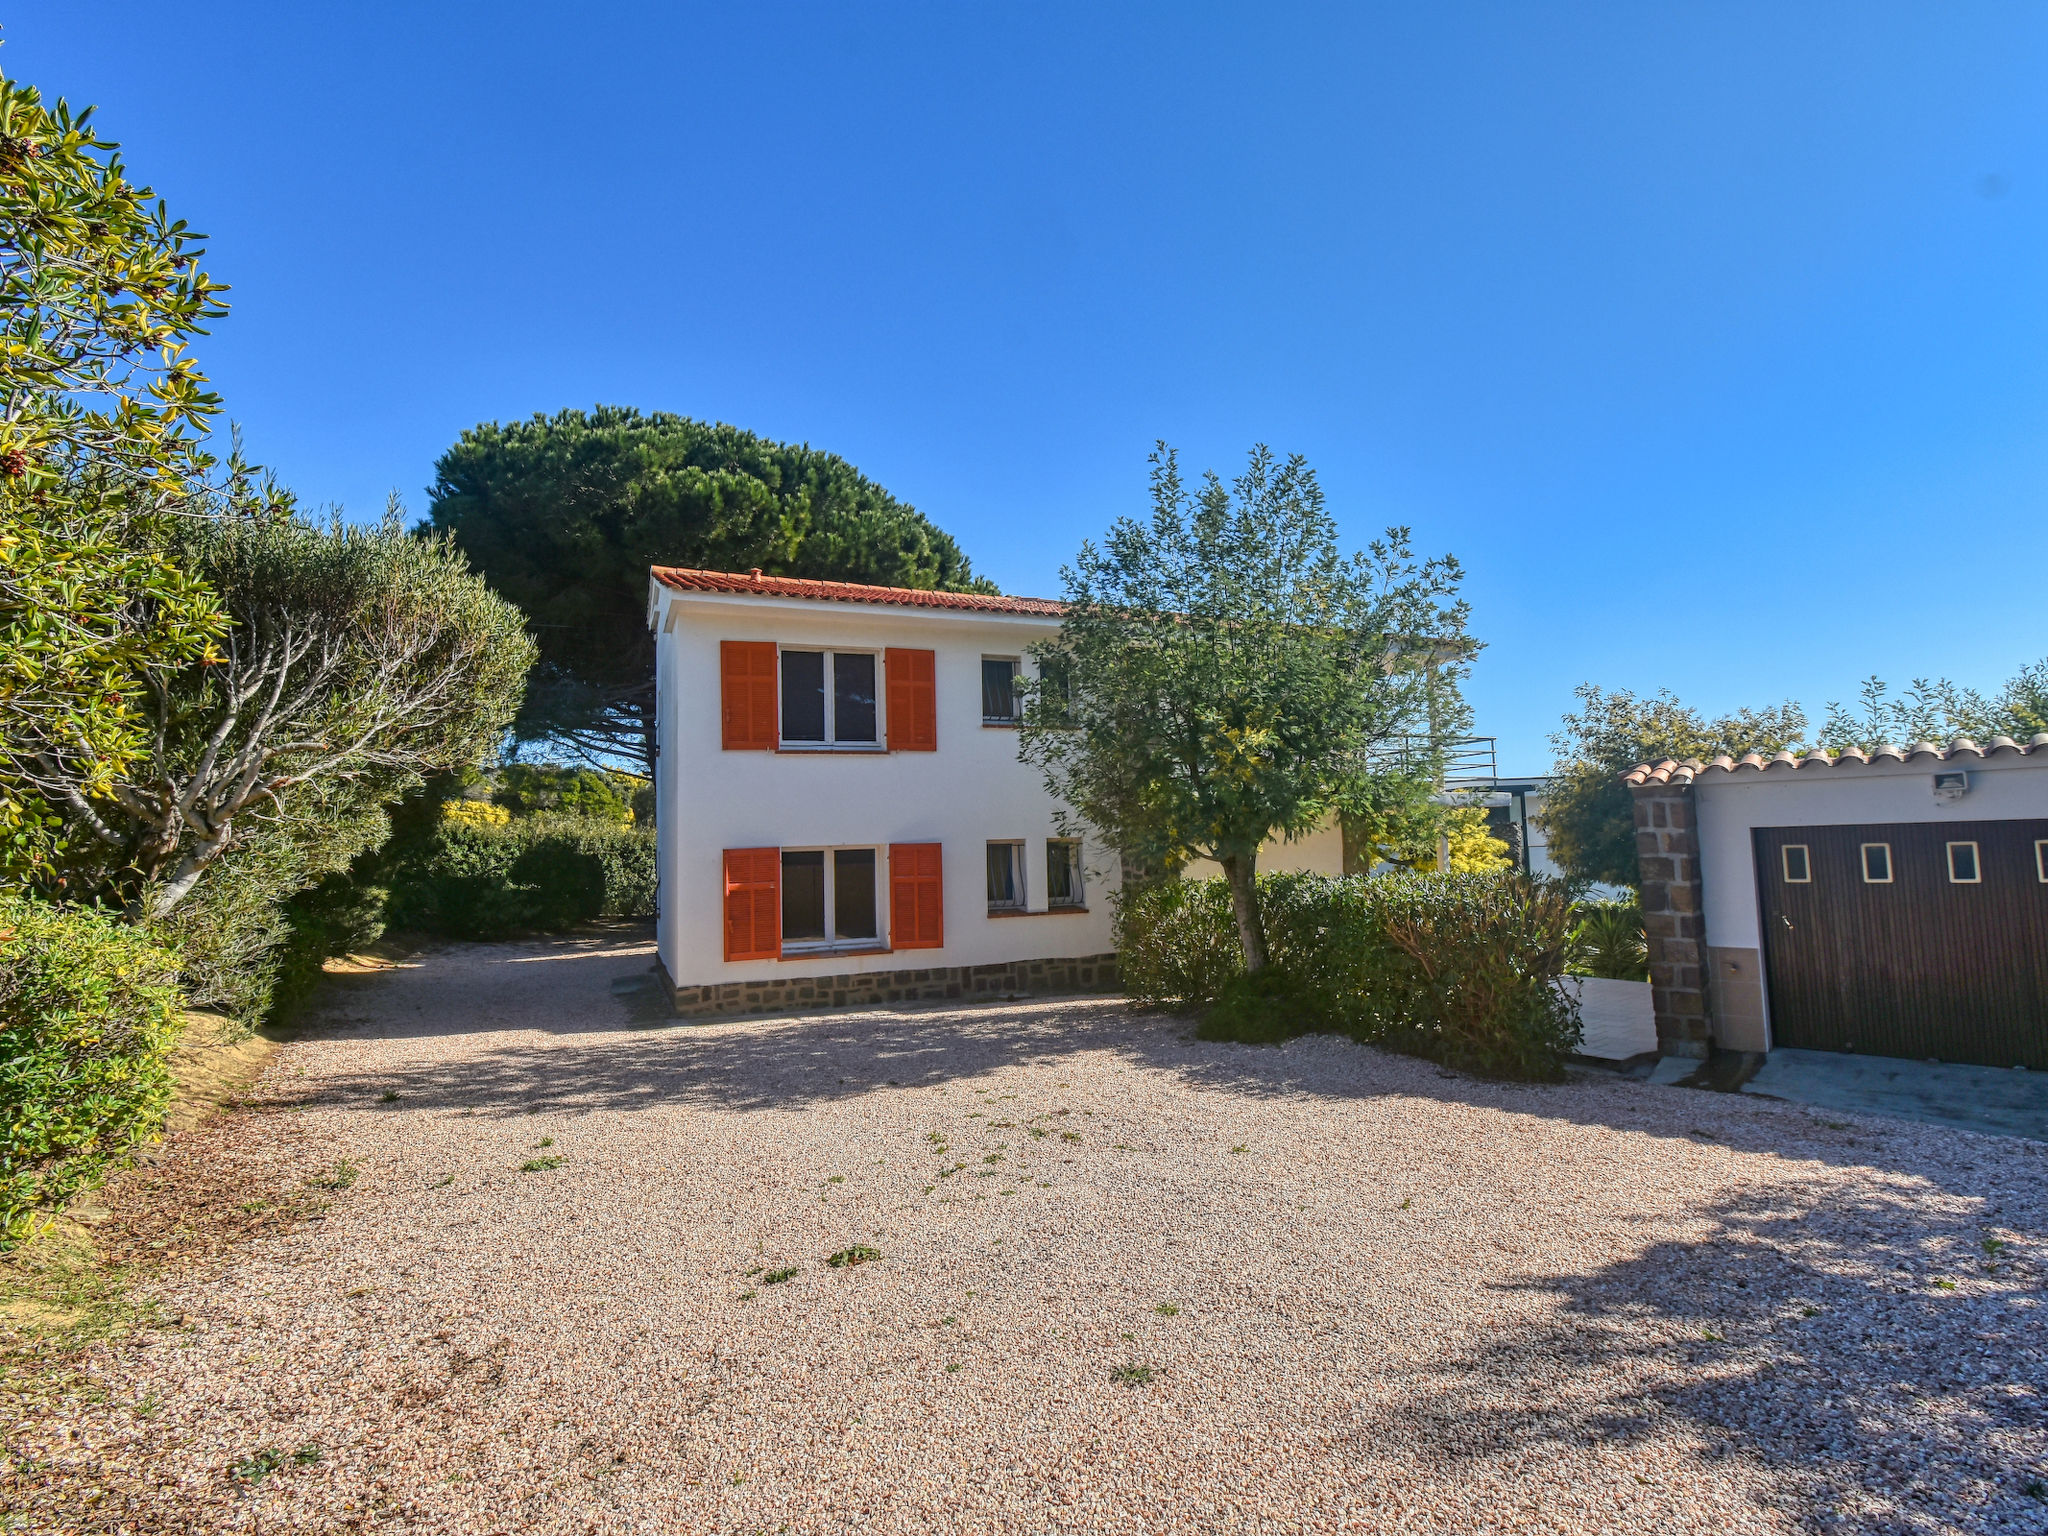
(1078, 902)
(1016, 715)
(1976, 863)
(1020, 900)
(832, 943)
(1863, 860)
(1805, 863)
(831, 743)
(2041, 859)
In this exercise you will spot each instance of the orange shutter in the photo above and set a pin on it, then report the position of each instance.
(917, 904)
(753, 903)
(913, 701)
(746, 689)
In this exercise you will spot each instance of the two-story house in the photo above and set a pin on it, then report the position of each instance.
(842, 815)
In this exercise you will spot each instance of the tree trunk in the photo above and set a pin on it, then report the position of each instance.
(1241, 870)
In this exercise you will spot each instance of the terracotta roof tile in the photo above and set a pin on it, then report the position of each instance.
(1670, 772)
(754, 584)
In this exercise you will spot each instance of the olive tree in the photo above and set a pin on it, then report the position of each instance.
(356, 661)
(1223, 674)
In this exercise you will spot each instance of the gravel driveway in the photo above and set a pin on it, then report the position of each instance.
(1127, 1282)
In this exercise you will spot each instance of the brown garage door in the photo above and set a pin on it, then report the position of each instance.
(1925, 939)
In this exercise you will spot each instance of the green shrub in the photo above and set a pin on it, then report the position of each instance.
(1457, 967)
(89, 1012)
(1608, 940)
(534, 874)
(541, 789)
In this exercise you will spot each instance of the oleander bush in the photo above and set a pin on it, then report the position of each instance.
(89, 1014)
(1460, 968)
(479, 880)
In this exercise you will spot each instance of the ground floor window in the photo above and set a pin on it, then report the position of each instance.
(1063, 873)
(828, 898)
(1005, 877)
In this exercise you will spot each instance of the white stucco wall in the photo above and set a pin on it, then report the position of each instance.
(972, 790)
(1731, 805)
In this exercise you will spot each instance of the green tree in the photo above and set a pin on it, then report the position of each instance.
(1588, 814)
(1938, 710)
(1227, 675)
(101, 411)
(357, 660)
(564, 514)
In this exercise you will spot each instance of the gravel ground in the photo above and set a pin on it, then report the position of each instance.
(1127, 1282)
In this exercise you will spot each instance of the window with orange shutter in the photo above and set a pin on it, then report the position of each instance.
(746, 695)
(917, 912)
(753, 903)
(913, 700)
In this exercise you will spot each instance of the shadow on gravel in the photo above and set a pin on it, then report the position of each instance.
(1880, 1355)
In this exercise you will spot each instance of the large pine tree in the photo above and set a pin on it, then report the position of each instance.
(564, 514)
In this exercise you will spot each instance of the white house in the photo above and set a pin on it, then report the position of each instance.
(842, 815)
(1893, 903)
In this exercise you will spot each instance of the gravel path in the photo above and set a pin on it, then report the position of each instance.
(1127, 1282)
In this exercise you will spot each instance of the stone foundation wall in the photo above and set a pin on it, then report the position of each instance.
(938, 984)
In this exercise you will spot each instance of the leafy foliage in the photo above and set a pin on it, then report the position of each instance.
(532, 874)
(1460, 968)
(1588, 814)
(1227, 676)
(100, 292)
(1937, 710)
(530, 789)
(357, 660)
(88, 1018)
(564, 514)
(1608, 941)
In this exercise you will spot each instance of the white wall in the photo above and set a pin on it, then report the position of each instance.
(970, 791)
(1731, 805)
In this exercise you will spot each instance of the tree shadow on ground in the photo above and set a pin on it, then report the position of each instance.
(1879, 1351)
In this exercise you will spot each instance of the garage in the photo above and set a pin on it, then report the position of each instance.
(1892, 903)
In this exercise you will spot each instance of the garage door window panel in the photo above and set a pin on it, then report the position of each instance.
(1798, 864)
(1877, 863)
(1963, 865)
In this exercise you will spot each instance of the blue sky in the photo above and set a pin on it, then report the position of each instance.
(1713, 339)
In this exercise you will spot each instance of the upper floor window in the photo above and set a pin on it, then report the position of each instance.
(999, 690)
(828, 698)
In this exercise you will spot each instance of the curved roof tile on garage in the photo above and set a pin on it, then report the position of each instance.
(1671, 772)
(754, 584)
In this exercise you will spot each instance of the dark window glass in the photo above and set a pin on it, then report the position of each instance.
(998, 690)
(1796, 870)
(803, 695)
(1002, 874)
(853, 893)
(1063, 874)
(803, 896)
(1962, 863)
(853, 697)
(1877, 863)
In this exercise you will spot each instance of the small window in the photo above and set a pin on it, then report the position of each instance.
(1877, 863)
(1962, 864)
(845, 680)
(2041, 861)
(998, 690)
(828, 898)
(1798, 869)
(1006, 877)
(1063, 874)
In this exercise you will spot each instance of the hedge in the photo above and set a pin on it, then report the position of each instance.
(1460, 968)
(89, 1013)
(477, 880)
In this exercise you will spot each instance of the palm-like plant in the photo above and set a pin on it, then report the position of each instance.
(1608, 941)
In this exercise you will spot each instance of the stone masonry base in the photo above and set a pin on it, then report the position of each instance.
(939, 984)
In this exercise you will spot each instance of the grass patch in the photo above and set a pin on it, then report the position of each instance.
(1132, 1375)
(343, 1174)
(859, 1253)
(777, 1276)
(540, 1164)
(1167, 1309)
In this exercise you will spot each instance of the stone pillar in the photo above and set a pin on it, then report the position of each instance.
(1668, 857)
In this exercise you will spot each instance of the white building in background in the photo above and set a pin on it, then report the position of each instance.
(842, 815)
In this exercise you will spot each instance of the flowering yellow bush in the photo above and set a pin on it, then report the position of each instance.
(475, 813)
